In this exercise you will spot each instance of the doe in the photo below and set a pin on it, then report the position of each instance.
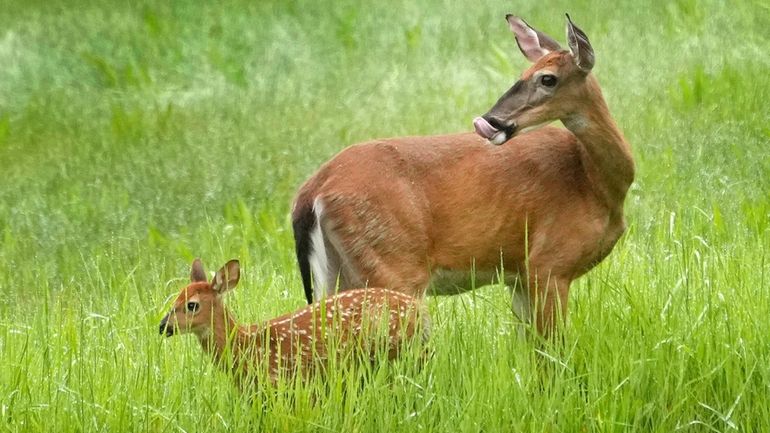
(415, 213)
(377, 323)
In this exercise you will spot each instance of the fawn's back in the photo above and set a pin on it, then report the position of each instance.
(370, 323)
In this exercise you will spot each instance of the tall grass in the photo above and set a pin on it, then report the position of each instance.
(136, 136)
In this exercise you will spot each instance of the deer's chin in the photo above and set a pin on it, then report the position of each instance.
(504, 135)
(203, 332)
(499, 138)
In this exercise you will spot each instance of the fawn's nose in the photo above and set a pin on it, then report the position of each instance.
(164, 328)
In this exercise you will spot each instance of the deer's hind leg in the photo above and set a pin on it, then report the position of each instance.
(400, 274)
(377, 247)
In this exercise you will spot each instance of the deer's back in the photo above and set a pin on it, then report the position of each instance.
(454, 196)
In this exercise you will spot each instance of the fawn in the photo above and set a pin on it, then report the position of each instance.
(302, 340)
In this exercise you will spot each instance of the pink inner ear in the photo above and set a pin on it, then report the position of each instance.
(527, 39)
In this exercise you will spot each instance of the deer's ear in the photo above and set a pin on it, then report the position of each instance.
(227, 277)
(581, 48)
(197, 273)
(533, 44)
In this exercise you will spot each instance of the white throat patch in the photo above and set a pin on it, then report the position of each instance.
(575, 122)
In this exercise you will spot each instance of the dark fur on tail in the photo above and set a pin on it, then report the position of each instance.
(303, 221)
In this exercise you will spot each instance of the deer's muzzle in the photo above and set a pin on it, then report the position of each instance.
(164, 328)
(493, 130)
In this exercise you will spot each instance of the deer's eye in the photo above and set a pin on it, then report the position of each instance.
(548, 80)
(192, 307)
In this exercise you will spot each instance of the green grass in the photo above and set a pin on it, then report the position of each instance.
(135, 137)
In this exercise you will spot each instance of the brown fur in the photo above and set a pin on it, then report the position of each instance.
(299, 341)
(548, 204)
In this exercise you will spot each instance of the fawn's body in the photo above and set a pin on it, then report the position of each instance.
(412, 212)
(373, 323)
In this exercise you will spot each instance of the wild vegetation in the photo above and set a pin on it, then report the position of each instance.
(137, 136)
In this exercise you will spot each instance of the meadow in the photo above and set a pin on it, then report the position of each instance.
(136, 136)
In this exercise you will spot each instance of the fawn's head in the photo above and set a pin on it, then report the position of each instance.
(195, 307)
(552, 88)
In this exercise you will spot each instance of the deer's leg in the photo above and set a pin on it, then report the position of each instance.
(409, 277)
(378, 245)
(367, 267)
(548, 296)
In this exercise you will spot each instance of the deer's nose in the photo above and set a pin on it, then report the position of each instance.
(164, 328)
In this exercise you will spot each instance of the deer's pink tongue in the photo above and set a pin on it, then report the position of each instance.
(484, 129)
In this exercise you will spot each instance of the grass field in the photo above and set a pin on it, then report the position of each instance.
(135, 137)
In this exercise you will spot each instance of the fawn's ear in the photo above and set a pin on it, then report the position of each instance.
(197, 273)
(581, 48)
(227, 277)
(534, 44)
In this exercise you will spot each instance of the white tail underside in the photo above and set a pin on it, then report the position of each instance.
(319, 261)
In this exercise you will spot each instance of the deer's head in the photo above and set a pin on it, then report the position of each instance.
(195, 307)
(552, 88)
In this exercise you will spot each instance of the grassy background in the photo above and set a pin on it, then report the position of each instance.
(134, 137)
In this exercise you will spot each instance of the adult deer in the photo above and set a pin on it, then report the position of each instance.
(409, 213)
(370, 322)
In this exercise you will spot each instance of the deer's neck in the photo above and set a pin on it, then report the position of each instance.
(607, 155)
(229, 343)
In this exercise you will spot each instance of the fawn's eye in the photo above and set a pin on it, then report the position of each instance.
(548, 80)
(193, 307)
